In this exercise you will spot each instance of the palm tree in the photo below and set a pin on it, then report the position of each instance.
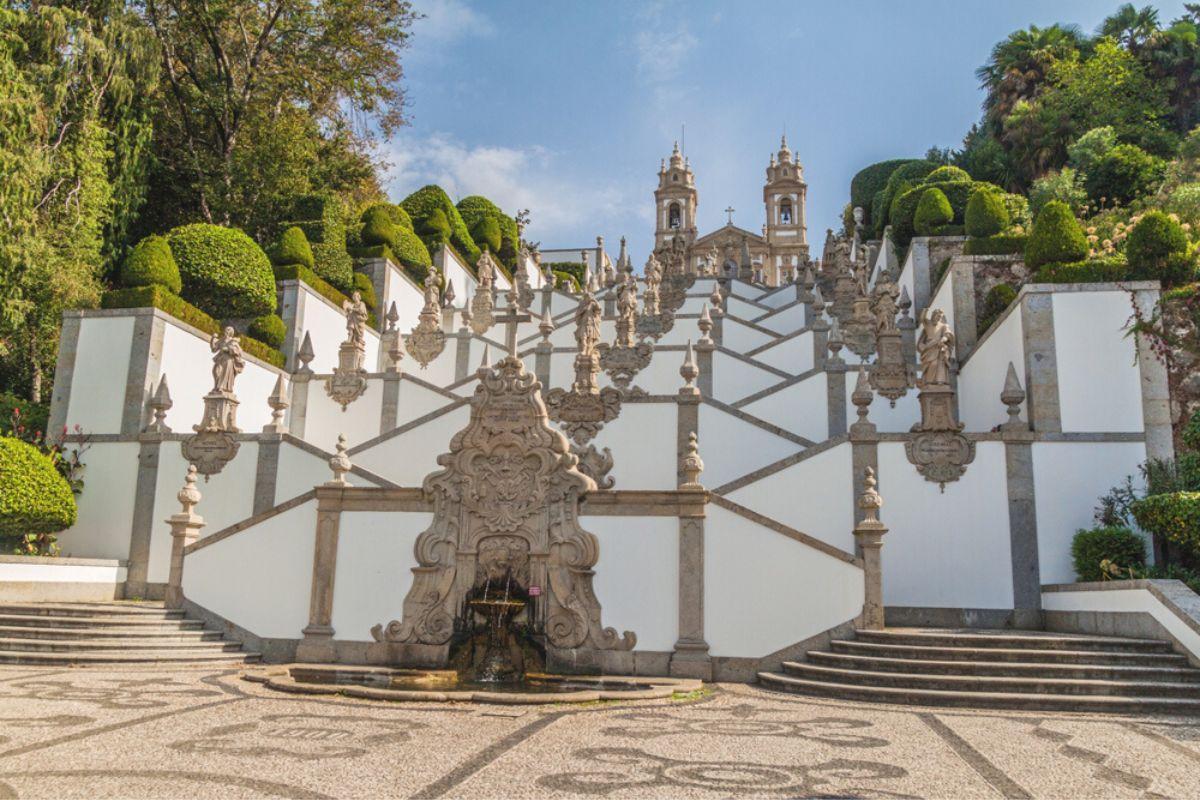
(1172, 56)
(1130, 27)
(1017, 67)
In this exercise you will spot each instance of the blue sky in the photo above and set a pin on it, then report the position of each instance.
(567, 107)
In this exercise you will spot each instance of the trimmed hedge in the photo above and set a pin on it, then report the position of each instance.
(269, 329)
(475, 207)
(1174, 516)
(998, 298)
(1056, 238)
(35, 499)
(903, 178)
(1158, 249)
(150, 263)
(322, 217)
(1121, 546)
(388, 225)
(986, 214)
(1124, 173)
(486, 234)
(180, 309)
(295, 272)
(947, 174)
(562, 280)
(378, 227)
(1093, 270)
(904, 207)
(363, 285)
(421, 204)
(293, 248)
(869, 181)
(933, 212)
(999, 245)
(224, 272)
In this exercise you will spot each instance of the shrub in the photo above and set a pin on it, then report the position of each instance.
(378, 227)
(29, 420)
(1124, 173)
(999, 245)
(1191, 432)
(224, 272)
(1121, 546)
(268, 329)
(948, 174)
(363, 285)
(1085, 152)
(421, 204)
(35, 499)
(868, 182)
(1174, 516)
(180, 309)
(475, 207)
(1056, 238)
(998, 298)
(400, 217)
(565, 281)
(486, 234)
(150, 263)
(436, 226)
(1094, 270)
(986, 214)
(322, 217)
(903, 178)
(293, 248)
(1158, 249)
(1064, 185)
(933, 211)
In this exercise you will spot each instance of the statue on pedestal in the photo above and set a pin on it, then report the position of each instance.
(213, 445)
(939, 450)
(349, 379)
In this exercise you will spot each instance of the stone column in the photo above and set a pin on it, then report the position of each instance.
(868, 539)
(185, 529)
(317, 645)
(145, 357)
(1022, 529)
(267, 471)
(390, 409)
(962, 298)
(690, 658)
(462, 354)
(835, 377)
(301, 382)
(138, 568)
(1156, 392)
(704, 361)
(1041, 362)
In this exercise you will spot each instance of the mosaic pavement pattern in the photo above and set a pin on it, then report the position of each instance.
(200, 734)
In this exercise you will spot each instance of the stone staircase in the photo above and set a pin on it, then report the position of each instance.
(1030, 670)
(115, 633)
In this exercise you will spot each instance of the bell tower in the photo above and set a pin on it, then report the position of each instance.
(785, 194)
(675, 202)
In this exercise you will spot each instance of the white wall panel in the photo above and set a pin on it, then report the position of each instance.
(1099, 383)
(642, 441)
(637, 577)
(106, 504)
(407, 458)
(800, 408)
(981, 379)
(739, 446)
(374, 570)
(734, 379)
(101, 369)
(793, 356)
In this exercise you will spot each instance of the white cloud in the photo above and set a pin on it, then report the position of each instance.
(661, 52)
(514, 178)
(449, 20)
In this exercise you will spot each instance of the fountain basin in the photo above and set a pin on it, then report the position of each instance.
(444, 686)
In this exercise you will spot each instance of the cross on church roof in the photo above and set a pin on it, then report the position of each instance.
(730, 211)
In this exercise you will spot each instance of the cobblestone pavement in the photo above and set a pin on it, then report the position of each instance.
(197, 734)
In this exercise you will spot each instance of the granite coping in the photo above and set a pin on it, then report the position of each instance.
(1173, 594)
(63, 561)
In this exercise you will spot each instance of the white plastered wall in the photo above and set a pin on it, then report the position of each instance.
(98, 380)
(324, 418)
(299, 471)
(407, 296)
(105, 507)
(734, 379)
(947, 549)
(261, 577)
(405, 459)
(794, 355)
(944, 299)
(800, 408)
(326, 326)
(764, 591)
(784, 322)
(740, 337)
(637, 577)
(415, 401)
(886, 417)
(374, 569)
(1127, 601)
(739, 447)
(642, 441)
(1099, 383)
(981, 379)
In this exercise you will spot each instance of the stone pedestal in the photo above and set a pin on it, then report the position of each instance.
(185, 529)
(869, 542)
(349, 380)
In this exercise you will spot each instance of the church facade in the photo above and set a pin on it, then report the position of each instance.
(778, 250)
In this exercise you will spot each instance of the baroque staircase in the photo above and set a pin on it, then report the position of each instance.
(115, 633)
(1030, 670)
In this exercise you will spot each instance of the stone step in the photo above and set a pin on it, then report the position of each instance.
(1115, 704)
(133, 645)
(125, 658)
(1006, 669)
(41, 620)
(1026, 655)
(144, 632)
(148, 610)
(977, 683)
(1010, 640)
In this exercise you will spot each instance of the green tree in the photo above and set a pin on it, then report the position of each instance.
(1017, 68)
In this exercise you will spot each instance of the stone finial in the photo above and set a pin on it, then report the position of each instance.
(705, 324)
(546, 326)
(1013, 396)
(818, 301)
(160, 404)
(189, 496)
(834, 342)
(306, 354)
(717, 301)
(448, 294)
(486, 361)
(905, 303)
(395, 350)
(691, 465)
(278, 401)
(466, 315)
(862, 397)
(392, 317)
(870, 502)
(689, 372)
(340, 464)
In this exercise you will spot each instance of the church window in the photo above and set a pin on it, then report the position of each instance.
(673, 216)
(785, 212)
(675, 178)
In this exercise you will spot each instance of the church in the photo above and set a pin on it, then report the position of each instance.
(779, 249)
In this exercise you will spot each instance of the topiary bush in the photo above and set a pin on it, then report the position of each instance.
(986, 214)
(1124, 173)
(150, 263)
(35, 499)
(1158, 249)
(224, 272)
(486, 234)
(999, 245)
(473, 209)
(268, 329)
(1065, 185)
(868, 182)
(903, 178)
(998, 298)
(436, 226)
(1121, 546)
(378, 227)
(1174, 516)
(420, 206)
(933, 212)
(947, 174)
(363, 285)
(1056, 237)
(293, 248)
(322, 217)
(1093, 270)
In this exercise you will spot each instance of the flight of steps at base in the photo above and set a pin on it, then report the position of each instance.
(998, 669)
(81, 634)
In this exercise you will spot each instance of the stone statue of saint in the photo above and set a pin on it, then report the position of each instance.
(935, 346)
(432, 296)
(356, 319)
(487, 271)
(227, 360)
(587, 323)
